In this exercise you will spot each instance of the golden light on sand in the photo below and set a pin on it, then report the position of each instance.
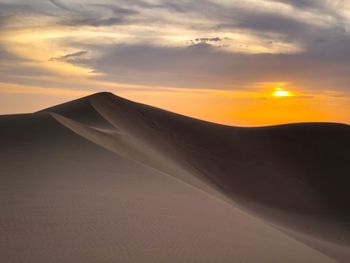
(279, 92)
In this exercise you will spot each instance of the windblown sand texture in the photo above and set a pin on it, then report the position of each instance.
(105, 179)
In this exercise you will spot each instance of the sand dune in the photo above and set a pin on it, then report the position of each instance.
(104, 179)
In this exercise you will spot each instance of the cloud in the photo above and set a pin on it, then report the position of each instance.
(215, 44)
(92, 14)
(266, 23)
(6, 56)
(207, 39)
(60, 5)
(193, 67)
(302, 3)
(96, 22)
(70, 57)
(206, 42)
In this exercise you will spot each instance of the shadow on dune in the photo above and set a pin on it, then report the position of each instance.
(294, 177)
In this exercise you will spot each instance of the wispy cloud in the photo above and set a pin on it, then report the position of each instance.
(70, 57)
(212, 44)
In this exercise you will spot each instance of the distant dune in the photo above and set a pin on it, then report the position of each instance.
(105, 179)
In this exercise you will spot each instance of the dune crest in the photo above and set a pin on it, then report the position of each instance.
(279, 191)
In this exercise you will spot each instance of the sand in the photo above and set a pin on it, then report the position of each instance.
(105, 179)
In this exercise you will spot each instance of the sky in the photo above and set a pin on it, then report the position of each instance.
(236, 62)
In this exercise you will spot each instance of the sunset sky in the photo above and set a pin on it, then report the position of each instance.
(237, 62)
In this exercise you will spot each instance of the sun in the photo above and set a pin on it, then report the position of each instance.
(279, 92)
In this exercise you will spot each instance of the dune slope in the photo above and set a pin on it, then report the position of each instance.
(104, 179)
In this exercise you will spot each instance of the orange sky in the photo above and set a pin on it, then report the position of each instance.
(242, 108)
(208, 65)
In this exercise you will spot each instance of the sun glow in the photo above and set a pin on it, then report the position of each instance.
(279, 92)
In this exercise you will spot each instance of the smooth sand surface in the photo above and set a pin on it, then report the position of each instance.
(104, 179)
